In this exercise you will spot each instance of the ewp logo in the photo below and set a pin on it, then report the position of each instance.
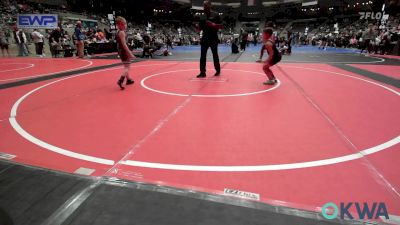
(45, 21)
(364, 211)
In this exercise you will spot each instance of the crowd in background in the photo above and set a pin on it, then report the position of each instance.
(373, 37)
(156, 35)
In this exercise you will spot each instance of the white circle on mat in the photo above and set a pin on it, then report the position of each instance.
(89, 63)
(205, 96)
(188, 167)
(30, 65)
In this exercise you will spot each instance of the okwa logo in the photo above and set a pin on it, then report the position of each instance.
(364, 210)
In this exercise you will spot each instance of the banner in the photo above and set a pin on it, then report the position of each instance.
(37, 21)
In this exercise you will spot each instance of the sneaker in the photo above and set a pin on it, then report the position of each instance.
(201, 75)
(258, 60)
(217, 73)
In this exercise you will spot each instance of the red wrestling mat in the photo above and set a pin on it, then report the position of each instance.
(321, 135)
(14, 69)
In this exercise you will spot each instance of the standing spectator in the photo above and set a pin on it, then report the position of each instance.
(234, 47)
(20, 39)
(79, 37)
(290, 39)
(37, 38)
(4, 43)
(169, 42)
(324, 42)
(243, 44)
(385, 42)
(107, 34)
(54, 41)
(367, 37)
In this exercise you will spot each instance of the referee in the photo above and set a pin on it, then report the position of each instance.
(210, 26)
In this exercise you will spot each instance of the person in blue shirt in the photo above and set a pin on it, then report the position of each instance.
(79, 37)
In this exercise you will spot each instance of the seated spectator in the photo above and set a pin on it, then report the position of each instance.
(100, 37)
(147, 48)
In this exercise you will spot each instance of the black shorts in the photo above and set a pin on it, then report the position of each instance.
(4, 46)
(277, 58)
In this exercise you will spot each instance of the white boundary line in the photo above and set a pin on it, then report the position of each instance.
(304, 61)
(30, 66)
(204, 96)
(14, 123)
(299, 165)
(41, 75)
(288, 166)
(324, 162)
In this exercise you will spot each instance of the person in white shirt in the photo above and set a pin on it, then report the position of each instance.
(37, 38)
(20, 39)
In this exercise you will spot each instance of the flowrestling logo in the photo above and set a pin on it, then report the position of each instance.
(373, 15)
(351, 209)
(39, 21)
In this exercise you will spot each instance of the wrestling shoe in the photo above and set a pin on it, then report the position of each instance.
(129, 81)
(120, 82)
(270, 82)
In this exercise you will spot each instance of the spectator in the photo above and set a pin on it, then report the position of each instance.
(353, 42)
(107, 34)
(4, 43)
(243, 44)
(54, 42)
(147, 49)
(100, 37)
(234, 47)
(169, 42)
(37, 38)
(79, 38)
(367, 37)
(20, 39)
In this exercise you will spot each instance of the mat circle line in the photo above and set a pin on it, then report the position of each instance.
(15, 125)
(201, 95)
(270, 167)
(331, 62)
(30, 66)
(41, 75)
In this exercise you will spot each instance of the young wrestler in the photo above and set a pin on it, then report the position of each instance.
(270, 25)
(274, 56)
(123, 51)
